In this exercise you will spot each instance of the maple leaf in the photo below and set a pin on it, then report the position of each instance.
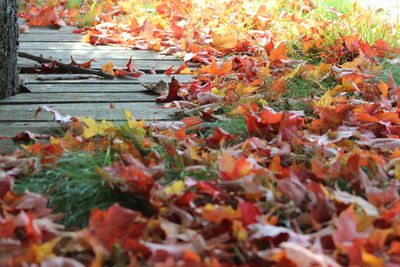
(93, 128)
(219, 137)
(46, 17)
(213, 68)
(227, 41)
(217, 214)
(346, 228)
(113, 224)
(173, 92)
(279, 53)
(85, 65)
(128, 71)
(249, 212)
(132, 178)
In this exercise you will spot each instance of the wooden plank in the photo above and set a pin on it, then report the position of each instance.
(101, 54)
(10, 129)
(85, 97)
(51, 45)
(97, 111)
(31, 79)
(7, 146)
(50, 37)
(51, 29)
(145, 65)
(87, 88)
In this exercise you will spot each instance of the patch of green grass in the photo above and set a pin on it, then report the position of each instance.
(298, 88)
(74, 3)
(75, 188)
(392, 66)
(235, 126)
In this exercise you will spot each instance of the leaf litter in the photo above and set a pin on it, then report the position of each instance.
(249, 176)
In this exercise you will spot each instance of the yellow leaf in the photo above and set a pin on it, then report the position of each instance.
(397, 171)
(241, 90)
(94, 128)
(45, 250)
(239, 231)
(175, 189)
(185, 71)
(108, 67)
(292, 74)
(325, 100)
(220, 92)
(132, 122)
(371, 260)
(265, 71)
(225, 41)
(237, 111)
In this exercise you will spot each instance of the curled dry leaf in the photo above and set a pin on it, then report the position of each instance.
(173, 92)
(27, 135)
(159, 88)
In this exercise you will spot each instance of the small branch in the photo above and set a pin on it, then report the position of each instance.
(66, 67)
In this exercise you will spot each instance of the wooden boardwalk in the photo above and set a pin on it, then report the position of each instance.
(82, 97)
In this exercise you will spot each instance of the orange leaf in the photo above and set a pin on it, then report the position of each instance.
(279, 53)
(46, 17)
(228, 41)
(108, 67)
(216, 213)
(383, 87)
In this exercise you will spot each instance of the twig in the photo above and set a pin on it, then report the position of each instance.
(66, 67)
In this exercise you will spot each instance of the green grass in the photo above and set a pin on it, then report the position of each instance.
(392, 66)
(75, 188)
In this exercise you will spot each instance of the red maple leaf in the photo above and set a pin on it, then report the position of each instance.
(113, 225)
(173, 93)
(129, 71)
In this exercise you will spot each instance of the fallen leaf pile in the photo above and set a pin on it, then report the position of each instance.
(252, 175)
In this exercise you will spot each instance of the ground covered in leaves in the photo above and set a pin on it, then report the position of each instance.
(286, 151)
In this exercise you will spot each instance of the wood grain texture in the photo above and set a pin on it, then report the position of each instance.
(99, 97)
(10, 129)
(50, 37)
(97, 111)
(32, 79)
(145, 65)
(75, 46)
(101, 54)
(85, 88)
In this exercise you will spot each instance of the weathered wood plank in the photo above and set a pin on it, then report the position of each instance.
(10, 129)
(46, 98)
(98, 111)
(52, 45)
(31, 79)
(145, 65)
(109, 54)
(7, 146)
(51, 29)
(50, 37)
(85, 88)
